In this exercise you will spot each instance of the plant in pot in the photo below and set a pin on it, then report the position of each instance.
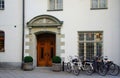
(28, 63)
(56, 63)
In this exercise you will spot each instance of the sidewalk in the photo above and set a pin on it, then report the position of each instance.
(46, 73)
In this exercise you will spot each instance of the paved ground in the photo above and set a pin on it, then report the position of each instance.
(46, 73)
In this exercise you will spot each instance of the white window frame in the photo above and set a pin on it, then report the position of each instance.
(98, 5)
(94, 41)
(55, 8)
(2, 4)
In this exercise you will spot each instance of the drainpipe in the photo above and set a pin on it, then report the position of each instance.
(23, 25)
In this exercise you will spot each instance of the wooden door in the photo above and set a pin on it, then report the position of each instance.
(45, 49)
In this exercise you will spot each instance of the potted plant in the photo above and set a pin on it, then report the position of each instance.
(56, 63)
(28, 63)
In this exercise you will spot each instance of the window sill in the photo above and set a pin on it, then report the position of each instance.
(2, 9)
(2, 50)
(56, 10)
(98, 8)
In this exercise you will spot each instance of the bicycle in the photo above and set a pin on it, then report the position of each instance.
(112, 68)
(70, 64)
(99, 66)
(76, 65)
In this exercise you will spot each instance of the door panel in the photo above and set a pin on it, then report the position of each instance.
(45, 49)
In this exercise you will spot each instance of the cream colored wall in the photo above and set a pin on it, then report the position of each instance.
(76, 15)
(11, 24)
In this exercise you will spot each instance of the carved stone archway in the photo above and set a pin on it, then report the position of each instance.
(44, 20)
(43, 24)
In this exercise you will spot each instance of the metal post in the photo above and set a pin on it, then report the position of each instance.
(63, 66)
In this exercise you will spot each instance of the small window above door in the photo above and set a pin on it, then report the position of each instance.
(99, 4)
(55, 5)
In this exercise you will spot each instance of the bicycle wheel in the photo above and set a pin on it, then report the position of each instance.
(114, 69)
(69, 68)
(76, 70)
(88, 69)
(102, 70)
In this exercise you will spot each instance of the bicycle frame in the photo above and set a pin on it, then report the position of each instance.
(77, 65)
(71, 62)
(81, 65)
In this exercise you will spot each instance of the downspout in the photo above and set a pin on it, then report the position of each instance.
(23, 26)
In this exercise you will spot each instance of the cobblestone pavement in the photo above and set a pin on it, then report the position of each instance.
(46, 73)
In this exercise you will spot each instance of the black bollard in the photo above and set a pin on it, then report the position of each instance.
(63, 66)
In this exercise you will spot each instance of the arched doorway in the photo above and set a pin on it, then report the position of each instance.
(44, 39)
(45, 48)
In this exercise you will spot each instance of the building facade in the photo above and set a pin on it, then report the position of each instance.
(45, 28)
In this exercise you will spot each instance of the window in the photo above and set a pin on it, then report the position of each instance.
(90, 44)
(2, 4)
(2, 41)
(55, 4)
(98, 4)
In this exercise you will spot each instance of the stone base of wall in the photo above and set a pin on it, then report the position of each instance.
(10, 65)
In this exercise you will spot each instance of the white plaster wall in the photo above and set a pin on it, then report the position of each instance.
(77, 16)
(39, 7)
(9, 18)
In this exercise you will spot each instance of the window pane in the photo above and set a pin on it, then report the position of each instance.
(94, 3)
(2, 1)
(81, 50)
(103, 3)
(59, 4)
(81, 36)
(89, 51)
(99, 36)
(1, 4)
(1, 41)
(90, 36)
(99, 49)
(52, 4)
